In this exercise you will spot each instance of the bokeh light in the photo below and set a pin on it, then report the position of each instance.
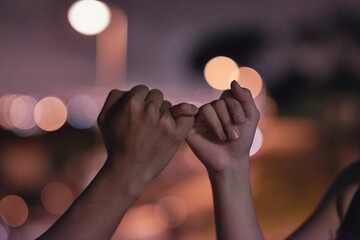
(14, 210)
(257, 142)
(82, 112)
(220, 71)
(250, 79)
(5, 106)
(50, 113)
(56, 197)
(89, 17)
(4, 230)
(140, 223)
(22, 112)
(24, 166)
(171, 211)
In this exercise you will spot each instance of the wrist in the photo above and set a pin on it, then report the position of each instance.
(238, 168)
(122, 179)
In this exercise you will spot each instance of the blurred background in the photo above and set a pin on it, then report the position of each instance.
(59, 60)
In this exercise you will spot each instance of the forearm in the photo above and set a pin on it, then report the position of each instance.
(98, 210)
(233, 205)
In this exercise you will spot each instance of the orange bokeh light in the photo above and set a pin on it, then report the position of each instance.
(220, 71)
(5, 105)
(171, 211)
(22, 112)
(250, 79)
(56, 197)
(50, 113)
(13, 210)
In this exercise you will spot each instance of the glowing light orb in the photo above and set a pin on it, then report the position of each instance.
(250, 79)
(5, 106)
(82, 111)
(257, 142)
(89, 17)
(22, 112)
(56, 197)
(171, 211)
(140, 223)
(220, 71)
(13, 210)
(50, 113)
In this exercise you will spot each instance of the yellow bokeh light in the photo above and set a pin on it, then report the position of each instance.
(22, 112)
(56, 197)
(50, 113)
(220, 71)
(89, 17)
(13, 210)
(250, 79)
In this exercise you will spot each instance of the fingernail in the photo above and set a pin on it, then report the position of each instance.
(223, 136)
(234, 134)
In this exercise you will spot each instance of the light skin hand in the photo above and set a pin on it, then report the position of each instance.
(221, 138)
(224, 129)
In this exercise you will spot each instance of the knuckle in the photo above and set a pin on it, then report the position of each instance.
(218, 103)
(157, 92)
(166, 105)
(114, 92)
(205, 108)
(184, 108)
(142, 87)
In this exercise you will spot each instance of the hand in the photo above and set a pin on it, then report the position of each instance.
(224, 130)
(139, 132)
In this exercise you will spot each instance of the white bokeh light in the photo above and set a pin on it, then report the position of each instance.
(82, 111)
(257, 142)
(89, 17)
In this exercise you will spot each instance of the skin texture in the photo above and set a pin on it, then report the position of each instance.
(221, 138)
(141, 137)
(142, 132)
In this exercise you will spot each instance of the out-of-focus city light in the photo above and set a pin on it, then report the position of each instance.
(50, 113)
(24, 167)
(171, 211)
(56, 197)
(140, 223)
(220, 71)
(257, 142)
(22, 112)
(4, 230)
(82, 111)
(89, 17)
(5, 106)
(250, 79)
(13, 210)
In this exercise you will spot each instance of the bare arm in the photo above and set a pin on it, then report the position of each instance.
(141, 137)
(221, 138)
(325, 221)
